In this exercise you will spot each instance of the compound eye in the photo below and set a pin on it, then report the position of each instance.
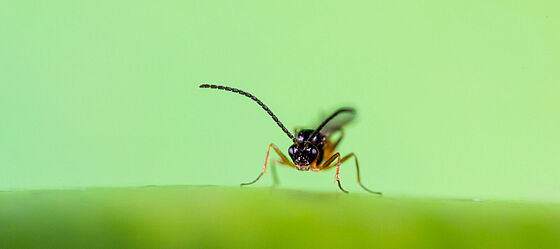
(313, 151)
(292, 150)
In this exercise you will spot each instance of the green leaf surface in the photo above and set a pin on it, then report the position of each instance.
(231, 217)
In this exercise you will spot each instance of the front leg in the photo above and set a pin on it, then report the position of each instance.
(327, 165)
(285, 161)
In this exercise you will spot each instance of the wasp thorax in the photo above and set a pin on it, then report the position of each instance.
(303, 155)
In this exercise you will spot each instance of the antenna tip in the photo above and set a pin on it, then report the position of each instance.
(204, 86)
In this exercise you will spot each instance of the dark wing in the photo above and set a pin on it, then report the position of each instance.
(335, 121)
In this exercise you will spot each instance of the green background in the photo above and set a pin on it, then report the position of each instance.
(454, 98)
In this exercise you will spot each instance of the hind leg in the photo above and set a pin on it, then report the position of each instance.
(336, 156)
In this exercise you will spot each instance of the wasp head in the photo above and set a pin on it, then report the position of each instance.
(303, 155)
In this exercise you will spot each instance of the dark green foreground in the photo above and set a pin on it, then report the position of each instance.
(228, 217)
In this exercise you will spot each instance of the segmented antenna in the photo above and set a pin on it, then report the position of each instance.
(235, 90)
(341, 110)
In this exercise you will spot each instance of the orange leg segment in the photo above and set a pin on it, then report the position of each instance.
(285, 161)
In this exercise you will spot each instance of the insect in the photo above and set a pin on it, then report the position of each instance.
(312, 150)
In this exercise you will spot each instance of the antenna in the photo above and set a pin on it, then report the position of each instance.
(235, 90)
(341, 110)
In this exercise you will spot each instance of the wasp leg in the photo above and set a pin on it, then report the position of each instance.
(275, 180)
(273, 169)
(327, 165)
(285, 161)
(358, 172)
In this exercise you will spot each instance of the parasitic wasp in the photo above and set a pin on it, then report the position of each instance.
(312, 149)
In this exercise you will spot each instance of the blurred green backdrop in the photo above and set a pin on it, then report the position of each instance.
(455, 98)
